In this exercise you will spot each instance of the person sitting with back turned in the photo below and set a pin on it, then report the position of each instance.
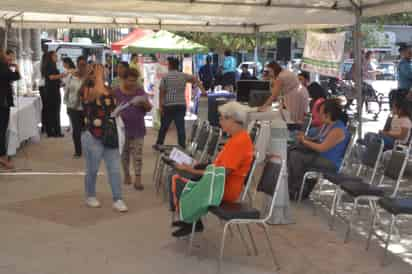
(236, 157)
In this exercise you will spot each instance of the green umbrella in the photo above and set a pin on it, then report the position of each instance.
(164, 42)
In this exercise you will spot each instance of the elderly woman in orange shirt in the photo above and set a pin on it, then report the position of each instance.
(236, 157)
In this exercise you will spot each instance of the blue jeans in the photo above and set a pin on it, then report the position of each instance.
(94, 152)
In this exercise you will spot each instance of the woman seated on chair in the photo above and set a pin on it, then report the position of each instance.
(318, 95)
(399, 128)
(236, 157)
(326, 153)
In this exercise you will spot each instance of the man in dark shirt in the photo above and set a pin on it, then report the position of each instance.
(246, 75)
(207, 74)
(9, 72)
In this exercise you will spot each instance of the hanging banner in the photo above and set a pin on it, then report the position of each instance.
(323, 53)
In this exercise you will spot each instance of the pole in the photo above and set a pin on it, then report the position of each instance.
(6, 31)
(358, 66)
(257, 39)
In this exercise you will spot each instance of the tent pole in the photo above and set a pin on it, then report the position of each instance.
(6, 31)
(257, 45)
(358, 66)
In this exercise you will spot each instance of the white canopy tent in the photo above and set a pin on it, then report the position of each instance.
(237, 16)
(234, 16)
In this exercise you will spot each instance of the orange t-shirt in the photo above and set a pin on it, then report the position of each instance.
(236, 155)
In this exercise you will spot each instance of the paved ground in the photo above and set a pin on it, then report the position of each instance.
(47, 229)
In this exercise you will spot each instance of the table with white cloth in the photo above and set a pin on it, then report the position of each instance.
(272, 143)
(25, 118)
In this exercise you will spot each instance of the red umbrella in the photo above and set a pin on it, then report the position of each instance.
(132, 37)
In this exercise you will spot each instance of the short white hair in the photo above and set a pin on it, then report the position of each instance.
(235, 111)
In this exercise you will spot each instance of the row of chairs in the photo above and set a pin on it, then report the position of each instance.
(383, 191)
(203, 145)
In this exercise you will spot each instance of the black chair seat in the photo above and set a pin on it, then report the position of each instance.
(360, 188)
(339, 178)
(397, 206)
(230, 211)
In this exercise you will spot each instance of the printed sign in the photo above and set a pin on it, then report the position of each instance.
(323, 53)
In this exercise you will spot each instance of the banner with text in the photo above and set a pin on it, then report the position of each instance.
(323, 53)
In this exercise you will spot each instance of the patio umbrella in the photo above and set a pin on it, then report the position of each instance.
(164, 42)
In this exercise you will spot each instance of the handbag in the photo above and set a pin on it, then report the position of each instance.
(110, 137)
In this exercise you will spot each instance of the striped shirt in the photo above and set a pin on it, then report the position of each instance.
(174, 83)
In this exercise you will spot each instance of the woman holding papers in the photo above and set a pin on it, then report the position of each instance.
(132, 95)
(236, 157)
(285, 84)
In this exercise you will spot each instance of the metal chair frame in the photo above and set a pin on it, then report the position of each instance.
(262, 222)
(159, 167)
(196, 128)
(338, 193)
(197, 154)
(373, 199)
(391, 228)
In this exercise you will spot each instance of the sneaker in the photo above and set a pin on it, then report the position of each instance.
(120, 206)
(92, 202)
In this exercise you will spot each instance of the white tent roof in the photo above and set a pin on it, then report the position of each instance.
(239, 16)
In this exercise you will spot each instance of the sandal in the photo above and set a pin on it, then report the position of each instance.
(6, 164)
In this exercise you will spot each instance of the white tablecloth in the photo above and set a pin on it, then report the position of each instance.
(24, 122)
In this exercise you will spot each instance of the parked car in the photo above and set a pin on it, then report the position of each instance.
(388, 71)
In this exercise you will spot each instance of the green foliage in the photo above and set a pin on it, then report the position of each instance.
(238, 42)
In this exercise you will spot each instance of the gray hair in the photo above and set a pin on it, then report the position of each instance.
(235, 111)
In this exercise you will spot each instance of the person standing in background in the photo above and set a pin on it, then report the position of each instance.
(172, 101)
(304, 78)
(405, 68)
(42, 91)
(246, 75)
(9, 72)
(207, 74)
(229, 71)
(72, 100)
(134, 64)
(53, 79)
(285, 84)
(121, 68)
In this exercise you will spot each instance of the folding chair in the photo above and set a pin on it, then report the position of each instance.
(196, 128)
(196, 151)
(241, 213)
(360, 190)
(370, 160)
(396, 207)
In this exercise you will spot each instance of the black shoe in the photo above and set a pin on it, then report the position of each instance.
(77, 155)
(178, 224)
(187, 230)
(156, 147)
